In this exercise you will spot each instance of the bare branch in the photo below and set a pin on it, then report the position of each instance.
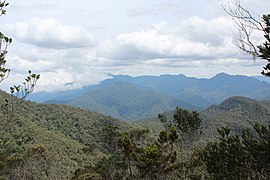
(246, 23)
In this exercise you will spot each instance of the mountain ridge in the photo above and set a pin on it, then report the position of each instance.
(200, 93)
(127, 102)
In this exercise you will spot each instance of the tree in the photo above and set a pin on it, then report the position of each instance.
(188, 124)
(17, 92)
(247, 24)
(155, 161)
(239, 157)
(11, 103)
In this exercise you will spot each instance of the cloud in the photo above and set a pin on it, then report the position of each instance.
(58, 67)
(191, 39)
(64, 79)
(49, 33)
(195, 46)
(137, 45)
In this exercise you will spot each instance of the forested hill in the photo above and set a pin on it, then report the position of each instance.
(128, 102)
(68, 136)
(235, 112)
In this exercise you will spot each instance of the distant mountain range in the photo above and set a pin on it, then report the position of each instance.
(132, 98)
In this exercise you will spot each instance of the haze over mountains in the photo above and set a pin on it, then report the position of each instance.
(132, 98)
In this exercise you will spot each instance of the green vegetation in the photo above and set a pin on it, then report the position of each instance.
(56, 141)
(239, 157)
(69, 137)
(139, 156)
(127, 102)
(236, 112)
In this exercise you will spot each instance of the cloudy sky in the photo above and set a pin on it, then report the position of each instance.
(76, 43)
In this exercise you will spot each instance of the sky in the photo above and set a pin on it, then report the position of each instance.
(77, 43)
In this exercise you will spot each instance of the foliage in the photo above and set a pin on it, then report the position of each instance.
(3, 4)
(71, 136)
(137, 160)
(239, 157)
(153, 161)
(264, 49)
(188, 124)
(4, 42)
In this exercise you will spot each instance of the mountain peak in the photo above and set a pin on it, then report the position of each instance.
(221, 75)
(240, 104)
(236, 101)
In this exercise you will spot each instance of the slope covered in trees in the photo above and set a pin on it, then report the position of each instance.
(63, 136)
(127, 102)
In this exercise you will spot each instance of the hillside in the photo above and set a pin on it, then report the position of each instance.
(69, 135)
(236, 112)
(61, 138)
(127, 101)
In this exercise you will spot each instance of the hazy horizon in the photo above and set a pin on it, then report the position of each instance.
(111, 76)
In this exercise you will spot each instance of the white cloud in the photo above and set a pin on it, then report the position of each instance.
(63, 79)
(49, 33)
(58, 67)
(193, 38)
(195, 46)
